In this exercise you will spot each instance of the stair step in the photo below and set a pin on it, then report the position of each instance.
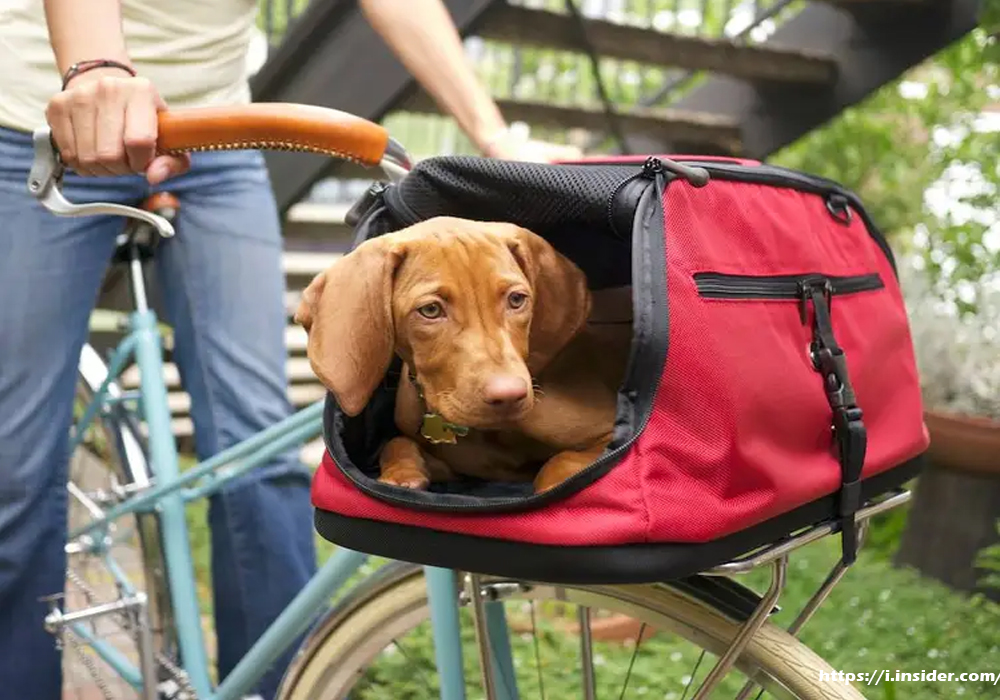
(298, 370)
(318, 226)
(301, 264)
(300, 394)
(296, 338)
(311, 453)
(701, 129)
(552, 30)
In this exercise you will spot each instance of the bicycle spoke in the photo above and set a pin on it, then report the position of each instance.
(631, 663)
(694, 672)
(413, 661)
(538, 651)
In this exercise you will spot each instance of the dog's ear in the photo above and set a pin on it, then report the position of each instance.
(561, 298)
(347, 312)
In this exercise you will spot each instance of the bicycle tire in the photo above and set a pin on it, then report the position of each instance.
(396, 597)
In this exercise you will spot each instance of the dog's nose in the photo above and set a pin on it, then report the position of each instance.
(505, 390)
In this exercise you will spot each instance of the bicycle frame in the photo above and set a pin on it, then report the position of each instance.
(170, 490)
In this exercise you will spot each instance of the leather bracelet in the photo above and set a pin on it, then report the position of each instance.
(84, 66)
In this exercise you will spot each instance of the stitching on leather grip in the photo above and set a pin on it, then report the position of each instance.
(267, 146)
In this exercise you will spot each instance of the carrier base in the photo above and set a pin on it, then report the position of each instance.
(632, 563)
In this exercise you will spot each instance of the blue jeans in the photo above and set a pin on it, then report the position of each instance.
(223, 289)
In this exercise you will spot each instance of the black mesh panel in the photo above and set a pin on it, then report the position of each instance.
(585, 211)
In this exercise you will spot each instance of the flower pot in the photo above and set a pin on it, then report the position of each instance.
(969, 444)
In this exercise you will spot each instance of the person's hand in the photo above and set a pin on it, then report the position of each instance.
(510, 146)
(540, 152)
(104, 123)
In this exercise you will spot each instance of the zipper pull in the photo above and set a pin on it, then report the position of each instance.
(805, 297)
(652, 167)
(697, 177)
(361, 207)
(809, 293)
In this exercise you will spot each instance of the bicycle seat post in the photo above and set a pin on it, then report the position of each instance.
(138, 241)
(137, 282)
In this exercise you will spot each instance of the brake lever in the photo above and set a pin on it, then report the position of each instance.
(46, 176)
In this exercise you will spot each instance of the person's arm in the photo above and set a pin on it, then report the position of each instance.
(81, 31)
(104, 122)
(423, 36)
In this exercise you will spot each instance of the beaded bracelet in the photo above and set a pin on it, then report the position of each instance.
(84, 66)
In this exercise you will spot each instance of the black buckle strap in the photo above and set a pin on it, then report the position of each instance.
(849, 431)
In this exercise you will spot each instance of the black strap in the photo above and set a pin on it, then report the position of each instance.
(849, 431)
(614, 121)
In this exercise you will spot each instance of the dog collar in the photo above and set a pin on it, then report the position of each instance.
(434, 428)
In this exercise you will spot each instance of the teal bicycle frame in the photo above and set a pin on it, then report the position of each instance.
(171, 490)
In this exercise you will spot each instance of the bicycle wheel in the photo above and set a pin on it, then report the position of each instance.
(107, 465)
(358, 646)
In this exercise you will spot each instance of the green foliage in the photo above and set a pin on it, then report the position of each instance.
(879, 617)
(990, 20)
(885, 532)
(892, 148)
(989, 560)
(274, 16)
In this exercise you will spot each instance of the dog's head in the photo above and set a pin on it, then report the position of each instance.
(474, 308)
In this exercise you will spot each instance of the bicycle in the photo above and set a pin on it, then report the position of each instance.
(711, 610)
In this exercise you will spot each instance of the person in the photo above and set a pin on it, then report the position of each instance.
(221, 279)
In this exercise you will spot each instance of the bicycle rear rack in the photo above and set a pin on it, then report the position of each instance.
(775, 554)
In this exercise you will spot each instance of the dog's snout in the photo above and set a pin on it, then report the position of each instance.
(505, 390)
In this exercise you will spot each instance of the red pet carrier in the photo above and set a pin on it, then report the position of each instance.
(772, 383)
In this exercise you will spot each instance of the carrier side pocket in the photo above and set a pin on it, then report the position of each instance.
(814, 293)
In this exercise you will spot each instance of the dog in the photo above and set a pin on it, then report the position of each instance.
(510, 368)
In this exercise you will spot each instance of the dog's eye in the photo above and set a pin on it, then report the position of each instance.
(517, 299)
(432, 310)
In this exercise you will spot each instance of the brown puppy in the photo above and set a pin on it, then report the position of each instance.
(502, 372)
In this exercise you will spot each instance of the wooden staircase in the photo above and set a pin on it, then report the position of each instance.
(727, 77)
(736, 77)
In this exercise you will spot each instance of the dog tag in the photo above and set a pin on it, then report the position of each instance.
(438, 431)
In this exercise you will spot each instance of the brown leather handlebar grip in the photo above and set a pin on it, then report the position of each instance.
(272, 126)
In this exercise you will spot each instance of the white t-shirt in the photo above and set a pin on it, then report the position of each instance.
(193, 51)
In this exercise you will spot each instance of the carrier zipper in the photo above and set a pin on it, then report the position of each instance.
(836, 197)
(716, 285)
(651, 168)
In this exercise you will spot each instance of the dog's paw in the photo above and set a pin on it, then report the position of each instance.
(408, 479)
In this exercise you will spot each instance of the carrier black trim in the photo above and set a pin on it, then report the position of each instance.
(582, 210)
(635, 399)
(836, 195)
(633, 563)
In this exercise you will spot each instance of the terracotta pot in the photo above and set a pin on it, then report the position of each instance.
(961, 443)
(617, 628)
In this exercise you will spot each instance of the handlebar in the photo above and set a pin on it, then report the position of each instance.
(269, 126)
(263, 126)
